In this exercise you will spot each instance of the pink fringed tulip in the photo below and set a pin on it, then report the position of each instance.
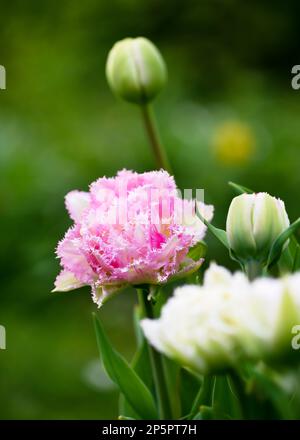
(128, 230)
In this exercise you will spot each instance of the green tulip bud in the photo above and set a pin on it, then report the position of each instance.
(135, 70)
(254, 222)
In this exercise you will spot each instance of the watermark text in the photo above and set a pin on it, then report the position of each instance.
(296, 339)
(296, 77)
(2, 338)
(2, 78)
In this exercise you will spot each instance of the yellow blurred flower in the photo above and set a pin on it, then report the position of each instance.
(234, 143)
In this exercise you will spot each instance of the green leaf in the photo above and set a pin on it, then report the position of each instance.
(126, 410)
(204, 394)
(277, 246)
(294, 249)
(239, 189)
(285, 262)
(125, 418)
(265, 379)
(189, 385)
(290, 258)
(198, 251)
(142, 366)
(120, 372)
(225, 403)
(220, 234)
(205, 413)
(296, 262)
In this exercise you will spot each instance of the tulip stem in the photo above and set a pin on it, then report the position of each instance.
(156, 362)
(154, 138)
(253, 269)
(238, 388)
(204, 395)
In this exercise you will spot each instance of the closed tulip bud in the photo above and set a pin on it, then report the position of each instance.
(135, 70)
(254, 222)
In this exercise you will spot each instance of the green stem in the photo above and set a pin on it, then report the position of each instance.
(156, 362)
(154, 138)
(253, 269)
(238, 389)
(204, 394)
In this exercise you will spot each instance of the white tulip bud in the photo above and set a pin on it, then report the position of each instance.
(254, 221)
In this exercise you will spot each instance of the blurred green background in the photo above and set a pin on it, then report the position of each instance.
(228, 113)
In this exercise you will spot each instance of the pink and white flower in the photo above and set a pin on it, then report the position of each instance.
(128, 230)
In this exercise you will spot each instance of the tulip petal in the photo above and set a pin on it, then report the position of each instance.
(239, 225)
(101, 293)
(76, 202)
(269, 220)
(66, 281)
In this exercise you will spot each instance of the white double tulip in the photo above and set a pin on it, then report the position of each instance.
(229, 319)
